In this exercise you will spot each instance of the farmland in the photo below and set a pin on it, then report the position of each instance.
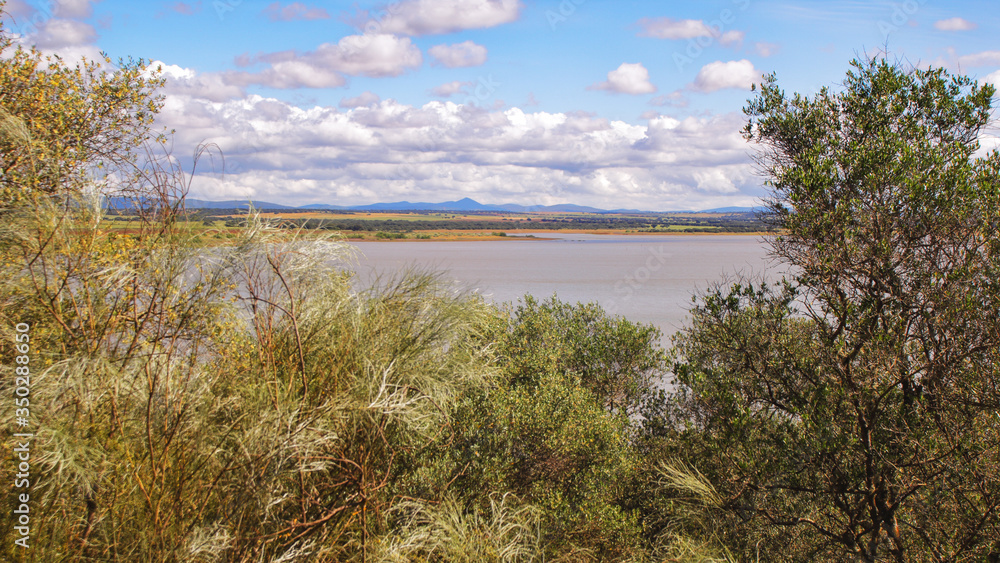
(426, 225)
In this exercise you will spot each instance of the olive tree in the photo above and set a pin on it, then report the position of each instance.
(851, 411)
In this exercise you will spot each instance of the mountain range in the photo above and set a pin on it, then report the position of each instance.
(464, 204)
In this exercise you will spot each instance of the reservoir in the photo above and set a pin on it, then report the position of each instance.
(649, 279)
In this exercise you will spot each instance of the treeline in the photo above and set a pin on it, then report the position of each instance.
(251, 403)
(733, 224)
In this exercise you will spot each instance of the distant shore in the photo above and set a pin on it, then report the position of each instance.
(539, 234)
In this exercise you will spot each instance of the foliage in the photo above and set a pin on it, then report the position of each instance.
(252, 402)
(641, 222)
(555, 430)
(850, 413)
(615, 359)
(502, 533)
(61, 124)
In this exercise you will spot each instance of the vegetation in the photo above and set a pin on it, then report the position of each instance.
(849, 413)
(416, 221)
(249, 402)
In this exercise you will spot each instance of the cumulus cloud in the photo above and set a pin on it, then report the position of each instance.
(722, 75)
(675, 99)
(450, 88)
(355, 55)
(60, 33)
(462, 54)
(427, 17)
(629, 78)
(667, 28)
(276, 151)
(292, 74)
(294, 11)
(954, 24)
(366, 98)
(182, 81)
(72, 8)
(18, 9)
(984, 58)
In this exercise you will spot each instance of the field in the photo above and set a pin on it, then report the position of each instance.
(421, 225)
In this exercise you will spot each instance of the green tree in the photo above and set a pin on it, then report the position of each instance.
(850, 413)
(555, 428)
(62, 127)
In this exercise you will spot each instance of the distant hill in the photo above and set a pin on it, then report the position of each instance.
(733, 210)
(232, 204)
(462, 205)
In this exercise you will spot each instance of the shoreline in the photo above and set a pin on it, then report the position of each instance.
(540, 234)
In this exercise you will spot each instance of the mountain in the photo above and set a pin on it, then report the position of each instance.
(733, 210)
(462, 205)
(233, 204)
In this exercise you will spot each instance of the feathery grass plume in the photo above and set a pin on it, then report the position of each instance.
(685, 479)
(342, 389)
(689, 538)
(13, 131)
(508, 532)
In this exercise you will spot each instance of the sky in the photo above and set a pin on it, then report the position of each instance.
(607, 103)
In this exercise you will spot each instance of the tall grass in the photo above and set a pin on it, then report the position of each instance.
(245, 404)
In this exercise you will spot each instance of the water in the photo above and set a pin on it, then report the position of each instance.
(648, 279)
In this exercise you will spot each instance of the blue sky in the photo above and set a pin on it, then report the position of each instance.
(605, 103)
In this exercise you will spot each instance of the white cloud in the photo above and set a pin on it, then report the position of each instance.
(721, 75)
(294, 74)
(426, 17)
(73, 8)
(667, 28)
(462, 54)
(450, 88)
(186, 82)
(715, 180)
(356, 55)
(276, 151)
(954, 24)
(366, 98)
(18, 9)
(294, 11)
(992, 78)
(984, 58)
(60, 33)
(675, 99)
(629, 78)
(369, 55)
(732, 38)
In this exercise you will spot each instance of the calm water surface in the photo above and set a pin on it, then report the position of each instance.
(645, 278)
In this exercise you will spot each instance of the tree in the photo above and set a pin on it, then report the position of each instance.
(62, 127)
(850, 412)
(555, 427)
